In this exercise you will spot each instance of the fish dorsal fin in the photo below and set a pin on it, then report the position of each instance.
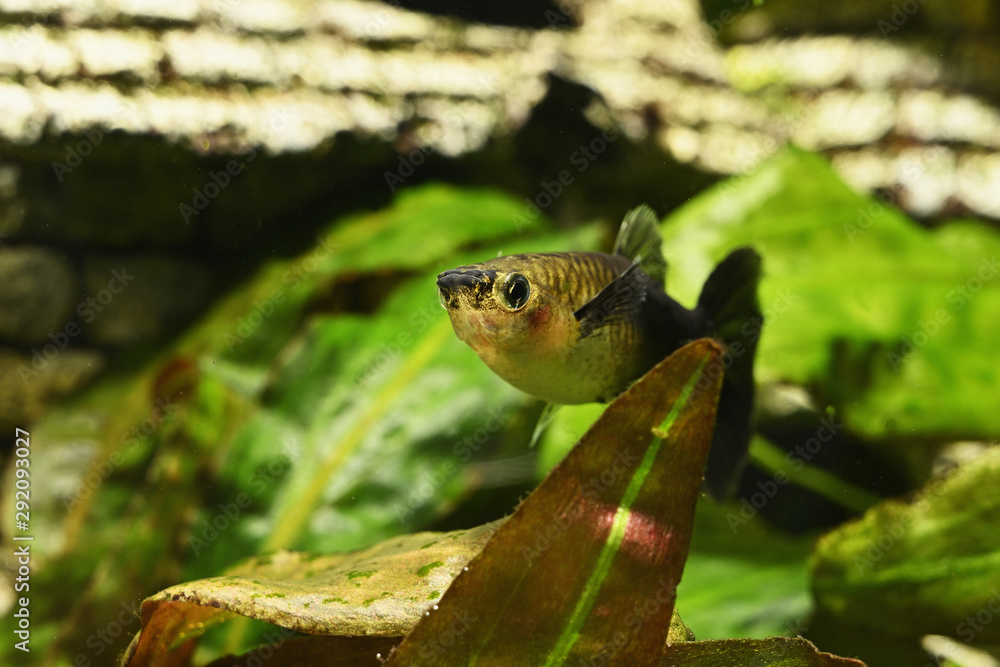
(621, 297)
(639, 241)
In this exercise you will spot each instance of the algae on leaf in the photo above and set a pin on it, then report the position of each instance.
(926, 567)
(379, 591)
(773, 652)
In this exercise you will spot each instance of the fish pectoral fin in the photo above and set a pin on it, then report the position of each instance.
(639, 241)
(621, 297)
(548, 414)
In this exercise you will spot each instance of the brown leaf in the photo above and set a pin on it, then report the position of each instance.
(587, 566)
(772, 652)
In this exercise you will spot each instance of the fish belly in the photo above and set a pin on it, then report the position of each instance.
(592, 372)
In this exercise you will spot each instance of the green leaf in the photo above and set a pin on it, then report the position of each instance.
(930, 567)
(884, 317)
(380, 591)
(104, 531)
(620, 509)
(743, 579)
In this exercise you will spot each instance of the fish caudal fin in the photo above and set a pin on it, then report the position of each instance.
(730, 298)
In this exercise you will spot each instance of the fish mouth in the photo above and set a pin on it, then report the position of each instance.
(471, 283)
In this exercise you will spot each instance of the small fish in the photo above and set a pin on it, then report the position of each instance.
(579, 327)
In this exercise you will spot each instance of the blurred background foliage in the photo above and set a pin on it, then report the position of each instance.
(288, 421)
(280, 374)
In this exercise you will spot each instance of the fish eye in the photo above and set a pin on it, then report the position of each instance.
(514, 291)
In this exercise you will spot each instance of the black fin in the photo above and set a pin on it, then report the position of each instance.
(639, 241)
(622, 296)
(730, 298)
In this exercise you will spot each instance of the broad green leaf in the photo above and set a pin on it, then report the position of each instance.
(929, 567)
(588, 565)
(125, 477)
(565, 430)
(380, 591)
(743, 579)
(885, 318)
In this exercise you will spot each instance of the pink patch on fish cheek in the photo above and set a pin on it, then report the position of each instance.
(545, 333)
(540, 317)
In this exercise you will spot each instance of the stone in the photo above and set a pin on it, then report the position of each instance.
(38, 295)
(29, 384)
(135, 298)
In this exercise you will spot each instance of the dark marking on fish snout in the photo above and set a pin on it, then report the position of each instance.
(474, 283)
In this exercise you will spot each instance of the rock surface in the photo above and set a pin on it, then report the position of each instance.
(224, 78)
(37, 298)
(32, 382)
(133, 299)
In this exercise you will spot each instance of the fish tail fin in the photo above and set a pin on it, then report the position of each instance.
(730, 298)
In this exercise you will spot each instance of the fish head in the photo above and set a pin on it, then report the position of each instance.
(503, 308)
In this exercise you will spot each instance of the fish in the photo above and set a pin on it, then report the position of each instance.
(580, 327)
